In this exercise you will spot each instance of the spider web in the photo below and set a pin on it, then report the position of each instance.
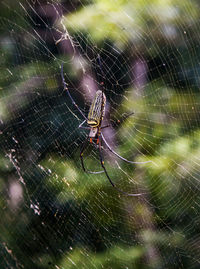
(53, 214)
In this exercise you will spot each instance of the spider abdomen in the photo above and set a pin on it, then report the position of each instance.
(97, 109)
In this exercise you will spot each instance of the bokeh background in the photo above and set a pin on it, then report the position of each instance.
(53, 215)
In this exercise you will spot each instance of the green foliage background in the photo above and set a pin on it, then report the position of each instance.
(66, 218)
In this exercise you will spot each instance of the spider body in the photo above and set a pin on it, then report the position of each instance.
(94, 125)
(96, 113)
(97, 109)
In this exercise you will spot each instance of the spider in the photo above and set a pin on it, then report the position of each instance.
(94, 125)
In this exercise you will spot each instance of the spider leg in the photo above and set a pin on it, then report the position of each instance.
(116, 154)
(103, 166)
(83, 127)
(106, 126)
(116, 123)
(83, 147)
(67, 90)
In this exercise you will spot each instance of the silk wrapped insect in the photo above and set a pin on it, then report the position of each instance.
(94, 125)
